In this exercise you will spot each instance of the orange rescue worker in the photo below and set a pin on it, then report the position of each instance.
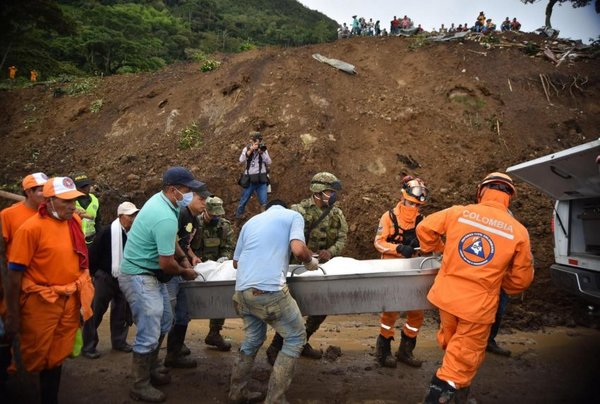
(48, 285)
(33, 76)
(12, 71)
(486, 249)
(396, 238)
(12, 218)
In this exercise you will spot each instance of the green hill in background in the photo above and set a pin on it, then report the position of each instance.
(116, 36)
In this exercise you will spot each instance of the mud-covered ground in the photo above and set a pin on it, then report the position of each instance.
(555, 365)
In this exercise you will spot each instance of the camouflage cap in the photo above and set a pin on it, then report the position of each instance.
(323, 181)
(214, 206)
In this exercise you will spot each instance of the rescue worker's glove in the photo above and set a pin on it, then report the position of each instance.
(222, 260)
(415, 243)
(405, 250)
(312, 265)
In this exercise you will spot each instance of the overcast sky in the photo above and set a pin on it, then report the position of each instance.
(578, 23)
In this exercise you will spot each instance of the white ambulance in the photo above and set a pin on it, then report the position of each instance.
(572, 178)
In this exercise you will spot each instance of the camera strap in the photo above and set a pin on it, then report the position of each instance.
(248, 161)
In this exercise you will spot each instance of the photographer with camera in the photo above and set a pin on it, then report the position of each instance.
(255, 177)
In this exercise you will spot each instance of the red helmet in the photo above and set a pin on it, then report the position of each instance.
(498, 181)
(414, 190)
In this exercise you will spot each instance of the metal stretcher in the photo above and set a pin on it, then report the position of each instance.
(375, 286)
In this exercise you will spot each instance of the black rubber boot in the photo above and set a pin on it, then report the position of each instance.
(405, 352)
(184, 351)
(439, 392)
(461, 396)
(5, 359)
(142, 388)
(274, 348)
(383, 352)
(174, 358)
(494, 348)
(310, 352)
(240, 376)
(214, 338)
(281, 378)
(159, 375)
(49, 384)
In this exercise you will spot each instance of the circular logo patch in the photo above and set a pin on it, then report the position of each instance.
(68, 183)
(476, 248)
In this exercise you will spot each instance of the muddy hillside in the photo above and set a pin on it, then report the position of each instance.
(447, 112)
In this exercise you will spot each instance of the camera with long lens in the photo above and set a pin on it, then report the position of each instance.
(262, 147)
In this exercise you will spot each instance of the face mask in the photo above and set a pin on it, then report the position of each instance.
(213, 221)
(332, 199)
(54, 213)
(408, 215)
(186, 200)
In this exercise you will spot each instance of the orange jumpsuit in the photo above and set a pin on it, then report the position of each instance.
(407, 222)
(53, 290)
(12, 218)
(486, 249)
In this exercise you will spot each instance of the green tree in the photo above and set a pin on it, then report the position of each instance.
(574, 3)
(20, 24)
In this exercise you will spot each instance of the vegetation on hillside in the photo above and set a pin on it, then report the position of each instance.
(73, 37)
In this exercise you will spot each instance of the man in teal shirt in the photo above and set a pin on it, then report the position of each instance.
(150, 260)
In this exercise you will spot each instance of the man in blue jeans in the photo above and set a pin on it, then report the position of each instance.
(262, 298)
(257, 161)
(149, 260)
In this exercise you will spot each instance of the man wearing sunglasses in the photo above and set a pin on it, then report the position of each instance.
(396, 238)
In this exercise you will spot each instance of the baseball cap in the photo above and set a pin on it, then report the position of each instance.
(214, 206)
(127, 208)
(203, 191)
(34, 180)
(181, 176)
(62, 188)
(81, 180)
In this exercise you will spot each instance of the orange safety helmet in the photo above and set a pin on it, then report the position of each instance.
(499, 181)
(414, 190)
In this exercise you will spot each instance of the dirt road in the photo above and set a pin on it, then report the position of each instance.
(551, 366)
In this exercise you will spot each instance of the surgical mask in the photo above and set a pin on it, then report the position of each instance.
(54, 213)
(186, 200)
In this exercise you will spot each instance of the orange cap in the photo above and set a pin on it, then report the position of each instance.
(61, 187)
(34, 180)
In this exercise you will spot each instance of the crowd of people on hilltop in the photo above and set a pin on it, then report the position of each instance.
(361, 27)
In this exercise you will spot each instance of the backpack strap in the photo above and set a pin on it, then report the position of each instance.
(397, 237)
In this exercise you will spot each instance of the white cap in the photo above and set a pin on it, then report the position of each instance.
(127, 208)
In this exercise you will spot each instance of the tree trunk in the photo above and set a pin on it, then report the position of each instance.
(549, 7)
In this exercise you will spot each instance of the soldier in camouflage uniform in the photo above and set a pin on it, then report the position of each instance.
(325, 231)
(213, 241)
